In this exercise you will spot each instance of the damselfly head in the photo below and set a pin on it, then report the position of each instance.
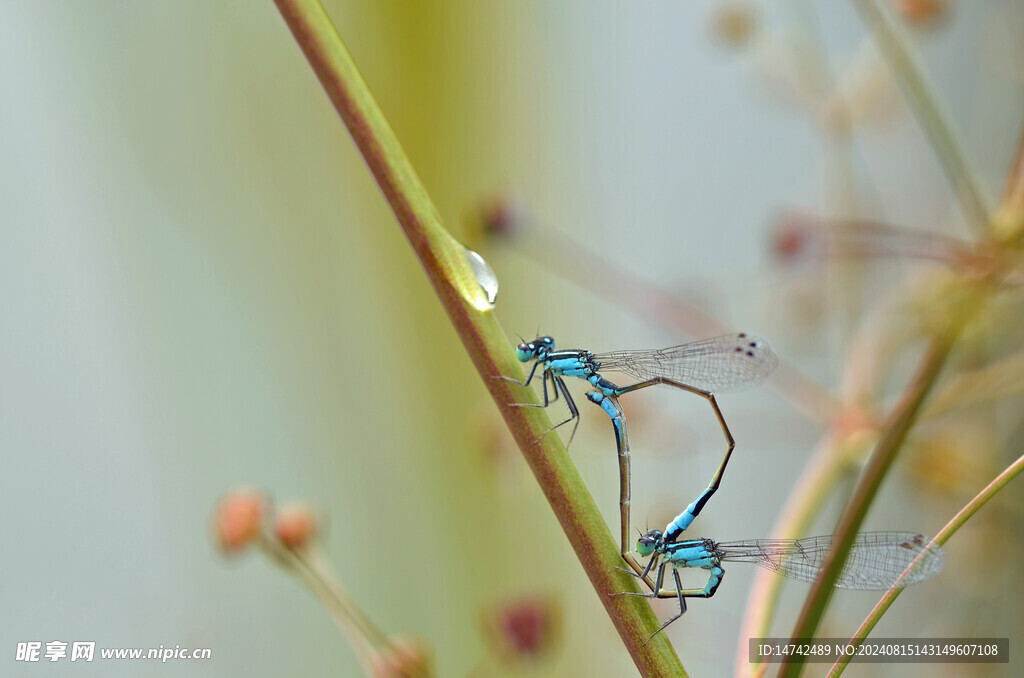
(528, 350)
(646, 544)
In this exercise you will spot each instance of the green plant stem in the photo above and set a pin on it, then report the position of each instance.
(894, 433)
(998, 483)
(928, 113)
(906, 412)
(444, 261)
(1012, 211)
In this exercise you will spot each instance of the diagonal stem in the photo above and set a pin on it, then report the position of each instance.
(1011, 211)
(895, 433)
(903, 417)
(445, 262)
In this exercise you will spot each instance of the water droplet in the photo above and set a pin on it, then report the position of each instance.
(486, 278)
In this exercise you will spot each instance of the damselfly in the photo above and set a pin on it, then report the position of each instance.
(876, 562)
(723, 363)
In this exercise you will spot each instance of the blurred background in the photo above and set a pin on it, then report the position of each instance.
(202, 288)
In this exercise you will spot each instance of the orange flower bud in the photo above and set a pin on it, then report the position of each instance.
(295, 525)
(238, 519)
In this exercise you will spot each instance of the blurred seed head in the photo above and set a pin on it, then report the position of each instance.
(1007, 225)
(954, 456)
(922, 13)
(524, 629)
(941, 297)
(733, 24)
(793, 241)
(238, 519)
(499, 216)
(856, 424)
(295, 525)
(494, 218)
(864, 94)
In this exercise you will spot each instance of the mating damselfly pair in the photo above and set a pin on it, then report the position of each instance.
(876, 560)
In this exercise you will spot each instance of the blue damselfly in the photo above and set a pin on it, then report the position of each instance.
(876, 562)
(703, 367)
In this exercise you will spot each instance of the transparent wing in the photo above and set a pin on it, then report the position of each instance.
(877, 559)
(723, 363)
